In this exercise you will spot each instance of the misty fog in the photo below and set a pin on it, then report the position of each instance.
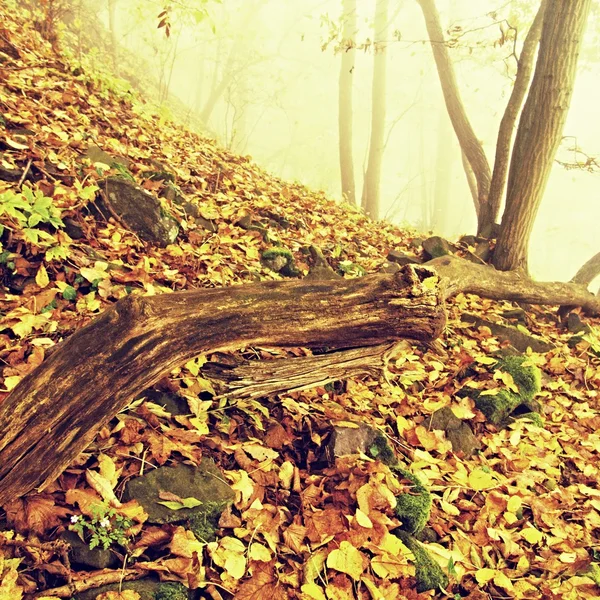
(261, 77)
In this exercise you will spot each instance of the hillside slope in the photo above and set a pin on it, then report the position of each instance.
(520, 518)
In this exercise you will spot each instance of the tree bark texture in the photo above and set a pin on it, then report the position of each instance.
(509, 118)
(467, 139)
(345, 115)
(56, 410)
(540, 127)
(460, 275)
(260, 378)
(370, 201)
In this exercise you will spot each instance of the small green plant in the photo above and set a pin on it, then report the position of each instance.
(105, 528)
(26, 210)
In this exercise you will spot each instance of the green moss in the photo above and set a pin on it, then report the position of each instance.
(428, 573)
(205, 524)
(527, 378)
(498, 407)
(272, 253)
(381, 450)
(413, 508)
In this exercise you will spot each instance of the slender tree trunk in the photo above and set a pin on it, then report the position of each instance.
(540, 128)
(470, 145)
(114, 50)
(443, 174)
(505, 132)
(345, 101)
(370, 200)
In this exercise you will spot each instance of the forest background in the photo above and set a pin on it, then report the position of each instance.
(262, 77)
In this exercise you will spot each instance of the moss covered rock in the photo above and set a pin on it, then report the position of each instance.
(280, 260)
(429, 574)
(413, 508)
(499, 407)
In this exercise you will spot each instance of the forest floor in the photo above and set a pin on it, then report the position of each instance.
(518, 519)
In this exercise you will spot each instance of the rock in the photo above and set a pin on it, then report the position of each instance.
(401, 258)
(139, 210)
(351, 440)
(435, 246)
(148, 589)
(517, 338)
(428, 573)
(576, 325)
(80, 553)
(172, 403)
(97, 155)
(457, 431)
(204, 483)
(73, 229)
(390, 268)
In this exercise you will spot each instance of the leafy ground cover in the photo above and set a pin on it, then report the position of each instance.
(518, 519)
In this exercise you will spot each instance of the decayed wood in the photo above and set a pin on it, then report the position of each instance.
(460, 275)
(261, 378)
(56, 410)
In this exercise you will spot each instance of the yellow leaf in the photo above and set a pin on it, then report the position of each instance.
(313, 592)
(388, 566)
(481, 480)
(513, 504)
(449, 509)
(532, 535)
(286, 474)
(41, 277)
(363, 520)
(103, 487)
(346, 559)
(95, 273)
(259, 552)
(11, 382)
(501, 580)
(485, 575)
(9, 589)
(375, 593)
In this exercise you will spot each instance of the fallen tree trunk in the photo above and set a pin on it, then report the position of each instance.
(56, 410)
(461, 275)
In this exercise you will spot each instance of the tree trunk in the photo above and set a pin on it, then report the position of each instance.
(370, 200)
(345, 101)
(505, 131)
(470, 145)
(114, 48)
(588, 272)
(56, 410)
(540, 128)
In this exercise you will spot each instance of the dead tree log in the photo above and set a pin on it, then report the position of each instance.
(56, 410)
(460, 275)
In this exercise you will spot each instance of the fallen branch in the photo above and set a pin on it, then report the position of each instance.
(460, 275)
(91, 581)
(261, 378)
(56, 410)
